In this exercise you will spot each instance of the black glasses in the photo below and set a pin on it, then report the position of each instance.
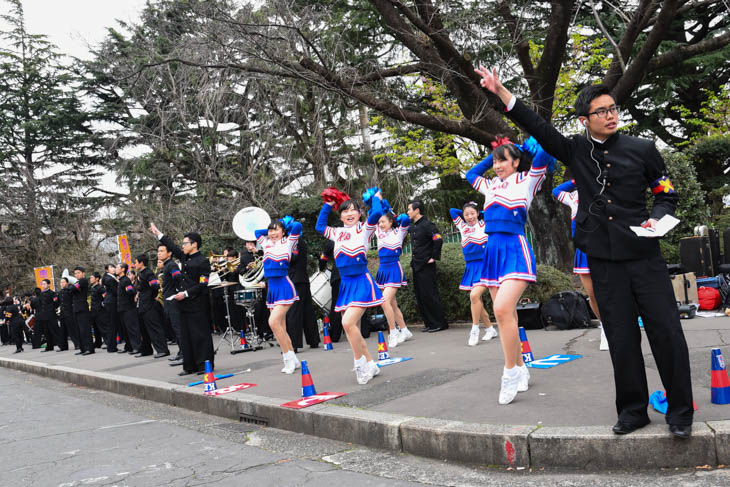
(602, 112)
(185, 242)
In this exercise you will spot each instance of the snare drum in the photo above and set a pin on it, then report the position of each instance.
(246, 296)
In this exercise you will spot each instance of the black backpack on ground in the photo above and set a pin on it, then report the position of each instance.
(565, 311)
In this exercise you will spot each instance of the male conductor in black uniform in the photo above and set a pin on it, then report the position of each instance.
(196, 340)
(426, 245)
(613, 172)
(147, 288)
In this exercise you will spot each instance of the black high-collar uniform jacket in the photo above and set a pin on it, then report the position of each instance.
(629, 166)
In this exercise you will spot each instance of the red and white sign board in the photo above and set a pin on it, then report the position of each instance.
(305, 402)
(226, 390)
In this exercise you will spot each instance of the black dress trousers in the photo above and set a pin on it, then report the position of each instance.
(621, 288)
(427, 296)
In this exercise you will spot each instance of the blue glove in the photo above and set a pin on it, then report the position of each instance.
(287, 221)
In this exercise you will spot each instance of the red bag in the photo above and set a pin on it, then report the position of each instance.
(709, 298)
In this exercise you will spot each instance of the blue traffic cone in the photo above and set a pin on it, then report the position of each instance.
(525, 347)
(326, 340)
(720, 384)
(307, 384)
(382, 347)
(209, 378)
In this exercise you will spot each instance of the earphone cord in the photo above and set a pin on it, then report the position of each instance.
(598, 165)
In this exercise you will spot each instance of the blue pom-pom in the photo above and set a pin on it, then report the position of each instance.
(399, 219)
(532, 146)
(386, 206)
(367, 196)
(287, 221)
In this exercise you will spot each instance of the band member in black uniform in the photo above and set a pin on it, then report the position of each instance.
(301, 314)
(98, 314)
(328, 255)
(171, 284)
(11, 312)
(425, 251)
(151, 321)
(109, 281)
(65, 297)
(127, 309)
(613, 172)
(82, 316)
(196, 340)
(46, 318)
(261, 311)
(29, 305)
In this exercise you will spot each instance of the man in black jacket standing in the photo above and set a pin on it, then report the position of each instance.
(195, 333)
(46, 319)
(147, 289)
(109, 281)
(98, 314)
(127, 309)
(67, 323)
(80, 290)
(613, 172)
(171, 284)
(426, 245)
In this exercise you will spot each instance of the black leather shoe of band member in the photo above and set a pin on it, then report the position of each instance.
(175, 358)
(426, 329)
(185, 372)
(88, 352)
(162, 354)
(623, 428)
(78, 352)
(683, 431)
(176, 363)
(440, 328)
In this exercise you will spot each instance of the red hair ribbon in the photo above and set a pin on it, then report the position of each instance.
(500, 141)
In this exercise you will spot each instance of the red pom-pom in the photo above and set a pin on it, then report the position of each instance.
(500, 141)
(334, 195)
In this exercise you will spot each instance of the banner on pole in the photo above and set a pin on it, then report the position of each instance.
(44, 273)
(125, 255)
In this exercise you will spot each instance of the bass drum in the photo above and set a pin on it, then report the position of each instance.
(319, 283)
(248, 220)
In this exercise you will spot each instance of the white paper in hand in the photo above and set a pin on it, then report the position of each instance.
(663, 226)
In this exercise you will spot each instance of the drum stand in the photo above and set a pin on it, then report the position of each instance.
(230, 334)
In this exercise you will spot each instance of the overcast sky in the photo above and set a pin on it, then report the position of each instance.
(74, 24)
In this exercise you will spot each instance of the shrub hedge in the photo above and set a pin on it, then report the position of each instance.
(450, 269)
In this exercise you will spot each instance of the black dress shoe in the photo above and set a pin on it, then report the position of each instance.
(162, 354)
(185, 372)
(683, 431)
(140, 354)
(175, 358)
(78, 352)
(133, 352)
(62, 350)
(121, 350)
(434, 330)
(623, 428)
(47, 350)
(88, 352)
(176, 363)
(426, 329)
(18, 351)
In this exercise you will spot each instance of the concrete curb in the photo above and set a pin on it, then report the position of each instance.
(593, 447)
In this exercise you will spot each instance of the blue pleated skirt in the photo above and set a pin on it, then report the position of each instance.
(390, 274)
(281, 291)
(508, 256)
(472, 275)
(580, 263)
(359, 292)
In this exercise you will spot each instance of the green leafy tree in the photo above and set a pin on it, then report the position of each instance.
(50, 160)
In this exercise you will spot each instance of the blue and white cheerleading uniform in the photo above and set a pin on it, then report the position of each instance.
(357, 287)
(276, 266)
(508, 254)
(390, 246)
(567, 194)
(473, 244)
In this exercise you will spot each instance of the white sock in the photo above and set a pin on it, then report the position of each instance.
(474, 327)
(290, 354)
(372, 363)
(361, 361)
(402, 327)
(511, 372)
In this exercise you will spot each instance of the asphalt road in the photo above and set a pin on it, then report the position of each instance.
(55, 434)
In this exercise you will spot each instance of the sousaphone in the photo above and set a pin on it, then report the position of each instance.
(245, 224)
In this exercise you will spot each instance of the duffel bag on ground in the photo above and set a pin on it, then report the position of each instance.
(566, 310)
